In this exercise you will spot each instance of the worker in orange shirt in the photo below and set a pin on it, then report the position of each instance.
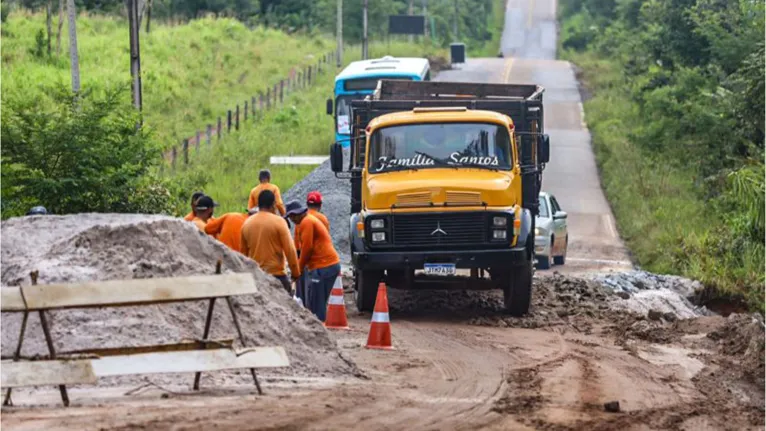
(228, 229)
(264, 177)
(194, 197)
(317, 254)
(266, 239)
(203, 211)
(314, 202)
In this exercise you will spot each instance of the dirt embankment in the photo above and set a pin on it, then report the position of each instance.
(87, 247)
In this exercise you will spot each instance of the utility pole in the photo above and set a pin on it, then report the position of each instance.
(425, 19)
(75, 59)
(339, 34)
(135, 55)
(455, 28)
(364, 31)
(409, 12)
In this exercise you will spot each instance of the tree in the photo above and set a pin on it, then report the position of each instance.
(76, 152)
(61, 25)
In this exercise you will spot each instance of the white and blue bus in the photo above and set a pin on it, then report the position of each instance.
(360, 78)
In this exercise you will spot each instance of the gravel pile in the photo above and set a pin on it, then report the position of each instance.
(86, 247)
(645, 293)
(336, 202)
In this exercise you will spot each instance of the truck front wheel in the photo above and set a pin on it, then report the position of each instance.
(517, 291)
(366, 285)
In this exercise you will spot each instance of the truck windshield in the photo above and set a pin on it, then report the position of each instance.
(422, 146)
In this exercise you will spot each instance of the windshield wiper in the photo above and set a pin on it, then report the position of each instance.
(478, 165)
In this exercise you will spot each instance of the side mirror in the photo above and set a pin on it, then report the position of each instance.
(543, 149)
(336, 157)
(560, 215)
(329, 107)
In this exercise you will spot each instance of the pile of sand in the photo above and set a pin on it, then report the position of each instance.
(118, 246)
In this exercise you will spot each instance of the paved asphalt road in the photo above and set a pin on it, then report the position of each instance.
(529, 48)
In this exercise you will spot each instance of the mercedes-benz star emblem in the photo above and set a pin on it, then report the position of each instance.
(438, 229)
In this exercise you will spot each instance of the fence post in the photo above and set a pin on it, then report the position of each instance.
(196, 143)
(219, 129)
(186, 151)
(246, 109)
(260, 101)
(309, 75)
(276, 94)
(209, 133)
(268, 98)
(281, 90)
(228, 121)
(252, 106)
(173, 157)
(236, 119)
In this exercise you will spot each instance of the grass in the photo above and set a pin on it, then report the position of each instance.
(667, 225)
(230, 168)
(191, 73)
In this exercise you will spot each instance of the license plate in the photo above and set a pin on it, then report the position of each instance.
(439, 269)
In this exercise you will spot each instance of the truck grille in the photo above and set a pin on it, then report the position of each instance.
(413, 230)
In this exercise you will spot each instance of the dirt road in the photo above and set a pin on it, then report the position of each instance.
(460, 363)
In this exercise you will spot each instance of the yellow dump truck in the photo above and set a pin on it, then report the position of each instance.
(445, 180)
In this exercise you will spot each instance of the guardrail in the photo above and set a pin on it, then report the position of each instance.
(87, 366)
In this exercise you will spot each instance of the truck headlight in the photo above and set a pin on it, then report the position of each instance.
(378, 236)
(377, 223)
(499, 234)
(537, 231)
(500, 221)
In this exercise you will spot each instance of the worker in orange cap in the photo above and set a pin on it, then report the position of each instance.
(314, 203)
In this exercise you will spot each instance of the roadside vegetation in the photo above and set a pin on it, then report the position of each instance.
(677, 113)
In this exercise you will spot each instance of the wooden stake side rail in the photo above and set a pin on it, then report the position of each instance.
(87, 371)
(125, 292)
(197, 355)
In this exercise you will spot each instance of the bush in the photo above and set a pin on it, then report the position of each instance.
(77, 153)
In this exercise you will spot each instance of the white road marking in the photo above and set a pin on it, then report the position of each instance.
(507, 70)
(610, 225)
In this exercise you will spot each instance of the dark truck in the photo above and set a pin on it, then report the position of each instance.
(445, 180)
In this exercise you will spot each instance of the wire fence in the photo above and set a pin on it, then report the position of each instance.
(297, 79)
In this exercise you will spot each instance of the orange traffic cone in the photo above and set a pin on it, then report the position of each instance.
(380, 326)
(336, 307)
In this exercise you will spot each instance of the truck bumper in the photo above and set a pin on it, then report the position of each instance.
(405, 260)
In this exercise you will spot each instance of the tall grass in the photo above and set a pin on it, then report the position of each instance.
(191, 73)
(229, 169)
(667, 225)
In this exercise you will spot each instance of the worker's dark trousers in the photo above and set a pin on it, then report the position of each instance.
(320, 282)
(302, 286)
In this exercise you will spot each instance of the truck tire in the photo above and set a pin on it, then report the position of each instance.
(517, 294)
(366, 285)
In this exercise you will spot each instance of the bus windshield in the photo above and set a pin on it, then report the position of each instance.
(422, 146)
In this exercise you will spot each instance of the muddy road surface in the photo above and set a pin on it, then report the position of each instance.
(458, 362)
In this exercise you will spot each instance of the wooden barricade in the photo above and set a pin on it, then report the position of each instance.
(86, 366)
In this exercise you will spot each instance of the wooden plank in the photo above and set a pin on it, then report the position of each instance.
(190, 361)
(177, 347)
(11, 299)
(137, 292)
(46, 373)
(297, 160)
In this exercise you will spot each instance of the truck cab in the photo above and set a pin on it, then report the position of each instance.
(441, 181)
